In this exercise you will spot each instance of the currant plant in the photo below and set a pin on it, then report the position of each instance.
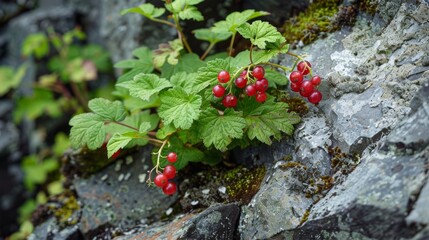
(192, 108)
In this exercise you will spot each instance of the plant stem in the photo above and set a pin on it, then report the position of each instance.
(207, 51)
(286, 69)
(250, 55)
(295, 55)
(231, 44)
(163, 22)
(181, 34)
(79, 96)
(123, 124)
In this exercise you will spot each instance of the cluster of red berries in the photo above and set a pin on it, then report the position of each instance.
(161, 180)
(255, 86)
(306, 88)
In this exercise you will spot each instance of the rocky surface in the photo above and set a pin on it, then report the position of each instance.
(356, 167)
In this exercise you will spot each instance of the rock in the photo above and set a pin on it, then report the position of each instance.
(420, 211)
(261, 218)
(116, 196)
(50, 230)
(217, 222)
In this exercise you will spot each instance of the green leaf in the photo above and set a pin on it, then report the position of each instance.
(87, 129)
(98, 55)
(169, 52)
(268, 119)
(188, 63)
(10, 79)
(207, 75)
(119, 141)
(143, 62)
(41, 102)
(276, 77)
(219, 130)
(272, 50)
(62, 143)
(185, 153)
(148, 10)
(191, 12)
(260, 33)
(36, 44)
(108, 110)
(133, 104)
(165, 131)
(211, 36)
(35, 171)
(145, 85)
(179, 107)
(129, 76)
(236, 19)
(184, 80)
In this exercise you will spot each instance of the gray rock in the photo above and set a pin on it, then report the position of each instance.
(217, 222)
(420, 212)
(276, 207)
(118, 196)
(50, 230)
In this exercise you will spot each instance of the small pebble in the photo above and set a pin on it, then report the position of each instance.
(142, 177)
(205, 191)
(222, 189)
(127, 176)
(121, 177)
(169, 211)
(129, 160)
(193, 203)
(118, 166)
(104, 178)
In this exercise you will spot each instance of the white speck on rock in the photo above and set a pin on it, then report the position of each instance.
(118, 166)
(142, 177)
(222, 189)
(104, 178)
(193, 203)
(205, 191)
(169, 211)
(129, 160)
(127, 176)
(121, 177)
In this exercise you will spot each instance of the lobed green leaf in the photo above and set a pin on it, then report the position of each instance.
(179, 107)
(108, 110)
(148, 10)
(87, 129)
(145, 85)
(259, 33)
(219, 130)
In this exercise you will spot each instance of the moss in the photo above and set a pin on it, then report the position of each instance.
(242, 183)
(292, 165)
(304, 217)
(64, 208)
(84, 162)
(369, 6)
(343, 162)
(296, 104)
(308, 24)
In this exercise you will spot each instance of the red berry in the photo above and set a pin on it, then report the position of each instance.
(243, 74)
(295, 87)
(218, 91)
(240, 82)
(251, 90)
(261, 97)
(258, 72)
(169, 189)
(296, 77)
(223, 76)
(229, 101)
(116, 154)
(315, 97)
(315, 80)
(261, 85)
(172, 157)
(304, 67)
(170, 171)
(160, 180)
(306, 89)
